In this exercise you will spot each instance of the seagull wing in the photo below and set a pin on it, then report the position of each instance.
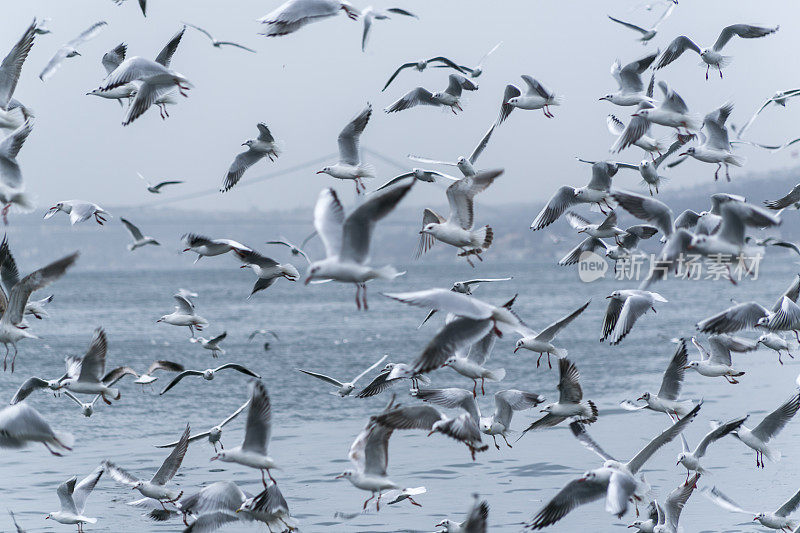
(550, 332)
(165, 56)
(580, 433)
(351, 134)
(790, 506)
(563, 199)
(370, 369)
(418, 96)
(90, 33)
(173, 461)
(454, 336)
(589, 244)
(134, 231)
(745, 31)
(508, 401)
(239, 166)
(569, 386)
(323, 377)
(65, 492)
(646, 208)
(506, 108)
(481, 145)
(85, 487)
(631, 74)
(774, 422)
(120, 475)
(11, 67)
(677, 47)
(638, 460)
(259, 420)
(574, 494)
(426, 240)
(239, 368)
(27, 387)
(461, 193)
(673, 376)
(396, 72)
(716, 434)
(179, 377)
(738, 317)
(453, 398)
(634, 27)
(34, 281)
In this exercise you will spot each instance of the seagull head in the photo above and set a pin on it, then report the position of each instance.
(429, 228)
(759, 516)
(642, 113)
(762, 323)
(588, 476)
(689, 151)
(324, 170)
(693, 364)
(607, 97)
(312, 274)
(447, 524)
(547, 408)
(139, 483)
(249, 142)
(345, 474)
(616, 295)
(161, 319)
(637, 525)
(450, 361)
(513, 101)
(519, 345)
(645, 397)
(681, 457)
(73, 53)
(53, 210)
(49, 516)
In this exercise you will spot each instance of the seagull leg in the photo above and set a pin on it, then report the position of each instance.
(358, 293)
(51, 450)
(779, 357)
(720, 71)
(495, 442)
(414, 502)
(13, 359)
(364, 295)
(378, 502)
(727, 172)
(548, 361)
(483, 393)
(5, 213)
(716, 173)
(368, 499)
(270, 477)
(707, 67)
(505, 439)
(474, 387)
(106, 400)
(539, 360)
(263, 478)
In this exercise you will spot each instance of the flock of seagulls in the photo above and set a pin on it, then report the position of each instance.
(663, 126)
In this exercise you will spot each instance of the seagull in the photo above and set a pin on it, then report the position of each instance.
(295, 250)
(261, 332)
(779, 98)
(370, 13)
(209, 373)
(775, 520)
(205, 247)
(156, 81)
(589, 244)
(257, 149)
(35, 383)
(667, 519)
(628, 243)
(457, 229)
(85, 374)
(216, 43)
(647, 34)
(542, 342)
(184, 315)
(506, 402)
(422, 65)
(712, 56)
(474, 72)
(212, 344)
(344, 389)
(476, 521)
(716, 148)
(536, 97)
(666, 401)
(605, 230)
(772, 241)
(139, 240)
(347, 238)
(72, 496)
(758, 438)
(11, 68)
(142, 5)
(464, 164)
(382, 381)
(775, 342)
(624, 309)
(11, 331)
(12, 188)
(79, 211)
(691, 458)
(156, 487)
(449, 97)
(570, 402)
(21, 424)
(717, 363)
(16, 525)
(469, 362)
(350, 166)
(595, 192)
(629, 78)
(294, 14)
(69, 50)
(636, 133)
(590, 488)
(789, 201)
(156, 189)
(10, 277)
(267, 270)
(253, 451)
(269, 506)
(167, 366)
(465, 287)
(672, 113)
(214, 434)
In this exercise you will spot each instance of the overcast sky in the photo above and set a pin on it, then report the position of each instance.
(308, 85)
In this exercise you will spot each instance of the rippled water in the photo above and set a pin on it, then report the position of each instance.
(320, 329)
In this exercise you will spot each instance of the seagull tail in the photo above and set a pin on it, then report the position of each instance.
(130, 247)
(772, 455)
(735, 160)
(496, 375)
(694, 122)
(556, 100)
(561, 353)
(590, 405)
(63, 440)
(388, 272)
(483, 237)
(114, 393)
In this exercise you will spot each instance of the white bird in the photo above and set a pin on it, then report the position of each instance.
(775, 342)
(73, 496)
(21, 424)
(253, 451)
(667, 399)
(212, 343)
(10, 277)
(458, 228)
(717, 363)
(168, 366)
(11, 68)
(474, 72)
(667, 518)
(216, 43)
(570, 402)
(85, 374)
(605, 230)
(542, 342)
(344, 388)
(209, 373)
(647, 33)
(382, 381)
(156, 189)
(779, 98)
(12, 187)
(672, 112)
(294, 249)
(690, 459)
(79, 211)
(205, 247)
(758, 438)
(450, 97)
(476, 522)
(712, 56)
(11, 329)
(648, 168)
(537, 96)
(69, 49)
(589, 244)
(625, 307)
(139, 239)
(264, 332)
(506, 402)
(347, 239)
(465, 164)
(267, 270)
(635, 133)
(465, 287)
(156, 81)
(469, 362)
(214, 434)
(422, 64)
(264, 146)
(716, 147)
(184, 315)
(629, 78)
(779, 519)
(350, 166)
(269, 506)
(294, 14)
(595, 192)
(370, 14)
(155, 488)
(142, 5)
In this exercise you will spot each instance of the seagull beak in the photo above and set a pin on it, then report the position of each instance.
(636, 115)
(679, 462)
(159, 320)
(517, 348)
(214, 458)
(307, 280)
(687, 366)
(640, 398)
(319, 172)
(52, 211)
(186, 249)
(244, 266)
(340, 476)
(244, 144)
(755, 518)
(607, 297)
(683, 154)
(581, 479)
(602, 98)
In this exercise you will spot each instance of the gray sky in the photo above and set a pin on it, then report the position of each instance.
(307, 85)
